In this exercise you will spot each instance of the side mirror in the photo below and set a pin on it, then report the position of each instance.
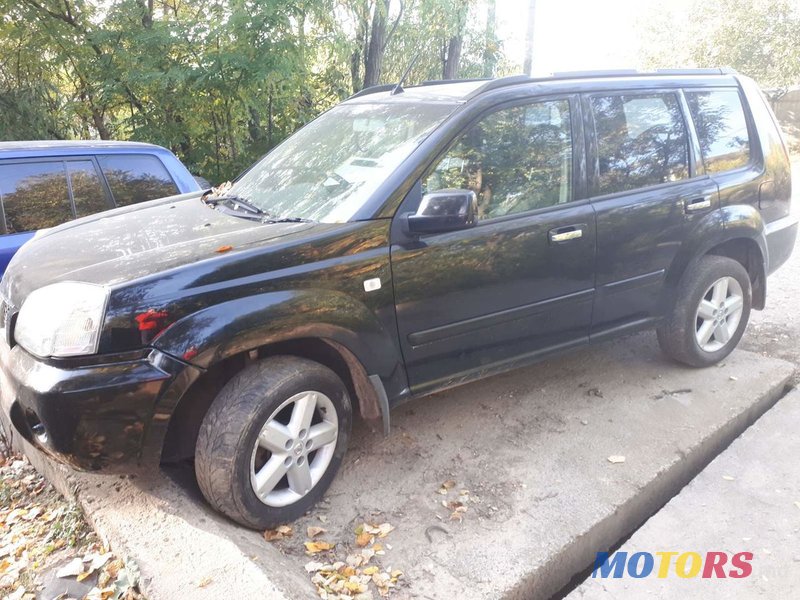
(444, 210)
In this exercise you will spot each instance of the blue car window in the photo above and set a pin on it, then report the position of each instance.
(136, 177)
(34, 195)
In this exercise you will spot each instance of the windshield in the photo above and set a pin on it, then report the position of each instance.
(327, 170)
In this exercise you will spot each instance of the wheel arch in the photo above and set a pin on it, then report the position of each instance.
(737, 232)
(180, 433)
(333, 329)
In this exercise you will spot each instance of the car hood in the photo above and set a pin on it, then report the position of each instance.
(125, 244)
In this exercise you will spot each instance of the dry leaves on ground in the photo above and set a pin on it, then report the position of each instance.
(456, 507)
(357, 575)
(39, 530)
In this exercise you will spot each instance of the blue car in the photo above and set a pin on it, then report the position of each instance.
(44, 184)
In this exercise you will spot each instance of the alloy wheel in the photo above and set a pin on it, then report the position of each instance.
(294, 448)
(719, 314)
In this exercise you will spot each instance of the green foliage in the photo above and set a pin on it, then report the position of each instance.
(760, 38)
(221, 82)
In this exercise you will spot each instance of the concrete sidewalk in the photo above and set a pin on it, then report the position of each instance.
(530, 447)
(746, 500)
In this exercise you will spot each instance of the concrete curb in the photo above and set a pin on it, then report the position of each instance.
(744, 501)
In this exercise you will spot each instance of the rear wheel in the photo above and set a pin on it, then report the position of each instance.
(711, 313)
(273, 440)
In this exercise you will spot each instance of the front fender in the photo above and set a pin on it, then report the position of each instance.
(217, 332)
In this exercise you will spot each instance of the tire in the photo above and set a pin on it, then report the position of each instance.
(689, 322)
(232, 448)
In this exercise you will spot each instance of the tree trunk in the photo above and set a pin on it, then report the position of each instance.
(373, 60)
(100, 125)
(452, 58)
(528, 63)
(452, 54)
(490, 40)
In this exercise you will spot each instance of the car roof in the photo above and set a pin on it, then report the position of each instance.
(68, 147)
(460, 91)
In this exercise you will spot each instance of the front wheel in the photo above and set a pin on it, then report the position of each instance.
(710, 314)
(273, 440)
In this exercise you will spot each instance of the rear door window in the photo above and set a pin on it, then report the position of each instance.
(136, 177)
(34, 195)
(641, 141)
(87, 189)
(721, 129)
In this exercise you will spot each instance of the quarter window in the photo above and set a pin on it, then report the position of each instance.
(641, 141)
(34, 195)
(136, 178)
(515, 160)
(721, 129)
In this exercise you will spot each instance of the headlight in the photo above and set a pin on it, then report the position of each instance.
(62, 319)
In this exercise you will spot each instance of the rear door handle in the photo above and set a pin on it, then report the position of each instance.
(566, 234)
(698, 204)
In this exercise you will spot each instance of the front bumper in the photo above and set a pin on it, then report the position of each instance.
(91, 417)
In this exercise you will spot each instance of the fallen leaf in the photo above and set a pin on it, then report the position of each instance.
(355, 586)
(371, 570)
(313, 566)
(32, 514)
(616, 459)
(222, 249)
(346, 571)
(17, 594)
(97, 561)
(363, 539)
(317, 547)
(728, 478)
(313, 532)
(279, 533)
(446, 486)
(204, 582)
(71, 569)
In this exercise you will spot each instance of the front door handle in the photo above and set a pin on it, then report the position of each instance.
(566, 234)
(698, 204)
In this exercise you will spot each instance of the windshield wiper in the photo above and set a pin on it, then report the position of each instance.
(287, 220)
(238, 203)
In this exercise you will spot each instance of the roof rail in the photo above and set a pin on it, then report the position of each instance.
(447, 81)
(493, 84)
(386, 87)
(635, 73)
(374, 89)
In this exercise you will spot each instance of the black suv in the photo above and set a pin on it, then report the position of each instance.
(406, 241)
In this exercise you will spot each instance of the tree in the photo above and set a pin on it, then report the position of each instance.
(219, 82)
(527, 66)
(760, 38)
